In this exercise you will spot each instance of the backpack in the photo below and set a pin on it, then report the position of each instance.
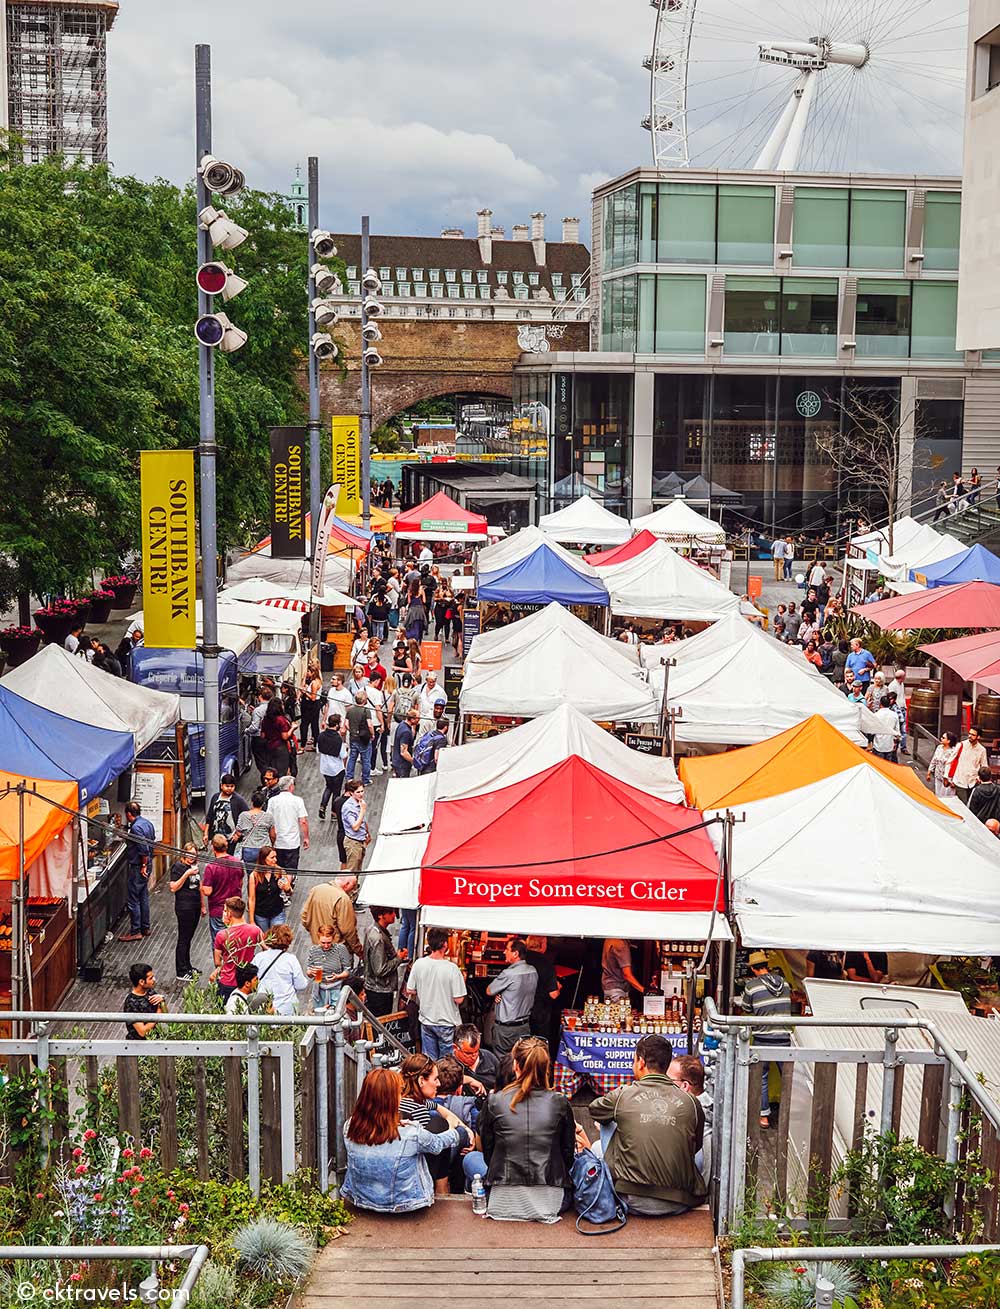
(594, 1195)
(423, 754)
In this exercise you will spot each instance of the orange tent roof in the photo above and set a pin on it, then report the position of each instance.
(42, 821)
(806, 753)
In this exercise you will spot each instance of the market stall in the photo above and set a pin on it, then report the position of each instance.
(440, 519)
(965, 605)
(976, 564)
(621, 553)
(682, 526)
(661, 584)
(337, 570)
(540, 578)
(734, 685)
(586, 521)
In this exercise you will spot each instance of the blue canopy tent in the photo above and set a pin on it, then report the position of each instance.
(977, 564)
(40, 743)
(540, 578)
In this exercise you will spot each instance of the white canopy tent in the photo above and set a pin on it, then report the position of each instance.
(296, 572)
(905, 878)
(926, 547)
(660, 583)
(556, 663)
(678, 522)
(235, 637)
(735, 685)
(520, 637)
(237, 613)
(904, 530)
(259, 590)
(523, 752)
(585, 521)
(55, 679)
(493, 558)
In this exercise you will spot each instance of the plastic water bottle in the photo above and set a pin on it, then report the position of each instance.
(478, 1195)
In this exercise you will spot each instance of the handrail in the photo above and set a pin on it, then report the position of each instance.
(197, 1254)
(733, 1022)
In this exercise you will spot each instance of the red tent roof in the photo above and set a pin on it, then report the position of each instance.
(640, 542)
(566, 813)
(974, 658)
(440, 514)
(969, 604)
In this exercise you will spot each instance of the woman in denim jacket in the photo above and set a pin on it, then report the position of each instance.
(386, 1168)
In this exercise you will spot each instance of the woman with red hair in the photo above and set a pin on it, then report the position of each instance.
(386, 1166)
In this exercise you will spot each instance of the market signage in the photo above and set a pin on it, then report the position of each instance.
(347, 463)
(326, 515)
(288, 511)
(443, 525)
(602, 1053)
(470, 890)
(168, 553)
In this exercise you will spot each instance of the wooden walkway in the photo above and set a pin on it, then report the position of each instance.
(449, 1254)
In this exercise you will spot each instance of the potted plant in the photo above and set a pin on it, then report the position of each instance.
(124, 589)
(82, 608)
(101, 604)
(19, 644)
(57, 620)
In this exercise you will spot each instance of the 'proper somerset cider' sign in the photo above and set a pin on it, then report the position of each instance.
(288, 494)
(439, 886)
(168, 554)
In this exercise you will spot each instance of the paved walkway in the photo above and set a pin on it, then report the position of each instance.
(449, 1254)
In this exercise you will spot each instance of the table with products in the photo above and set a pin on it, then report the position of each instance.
(603, 1060)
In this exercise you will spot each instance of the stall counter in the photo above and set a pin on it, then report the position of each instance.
(100, 905)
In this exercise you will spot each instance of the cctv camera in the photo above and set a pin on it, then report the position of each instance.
(373, 307)
(323, 347)
(324, 279)
(371, 332)
(221, 178)
(323, 244)
(325, 313)
(372, 357)
(371, 281)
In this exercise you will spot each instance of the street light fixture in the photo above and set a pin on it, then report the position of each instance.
(325, 312)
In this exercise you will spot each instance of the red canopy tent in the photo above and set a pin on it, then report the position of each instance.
(974, 658)
(567, 814)
(440, 514)
(640, 542)
(969, 604)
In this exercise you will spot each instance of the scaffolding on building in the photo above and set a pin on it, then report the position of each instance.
(57, 77)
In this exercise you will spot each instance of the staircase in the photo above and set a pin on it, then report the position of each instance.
(979, 523)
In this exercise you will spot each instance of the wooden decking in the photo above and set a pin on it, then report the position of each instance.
(448, 1254)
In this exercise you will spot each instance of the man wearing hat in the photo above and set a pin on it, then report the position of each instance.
(767, 995)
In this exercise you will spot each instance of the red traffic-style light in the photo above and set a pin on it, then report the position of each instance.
(212, 278)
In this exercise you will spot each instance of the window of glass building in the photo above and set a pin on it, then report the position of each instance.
(821, 225)
(671, 314)
(685, 230)
(935, 320)
(942, 225)
(620, 228)
(753, 315)
(618, 316)
(680, 421)
(809, 317)
(597, 457)
(878, 229)
(746, 225)
(882, 327)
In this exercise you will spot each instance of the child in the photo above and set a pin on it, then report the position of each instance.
(328, 963)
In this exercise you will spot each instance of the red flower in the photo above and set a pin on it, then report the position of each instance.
(89, 1134)
(77, 1153)
(75, 1277)
(145, 1153)
(171, 1195)
(134, 1191)
(139, 1176)
(80, 1169)
(39, 1195)
(183, 1208)
(128, 1154)
(98, 1196)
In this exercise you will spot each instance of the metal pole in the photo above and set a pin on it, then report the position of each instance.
(206, 447)
(19, 944)
(323, 1107)
(340, 1100)
(366, 394)
(253, 1107)
(45, 1089)
(888, 1079)
(741, 1111)
(951, 1145)
(314, 457)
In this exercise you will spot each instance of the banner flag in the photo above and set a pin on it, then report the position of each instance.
(326, 516)
(288, 493)
(168, 548)
(347, 463)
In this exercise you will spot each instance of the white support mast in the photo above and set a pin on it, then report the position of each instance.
(667, 66)
(784, 145)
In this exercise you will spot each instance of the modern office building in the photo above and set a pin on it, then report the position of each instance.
(979, 279)
(53, 76)
(740, 318)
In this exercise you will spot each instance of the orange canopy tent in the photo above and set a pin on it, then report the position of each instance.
(807, 753)
(42, 821)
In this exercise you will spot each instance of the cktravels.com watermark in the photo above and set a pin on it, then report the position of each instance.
(27, 1293)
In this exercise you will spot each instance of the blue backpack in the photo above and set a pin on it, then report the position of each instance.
(423, 754)
(594, 1196)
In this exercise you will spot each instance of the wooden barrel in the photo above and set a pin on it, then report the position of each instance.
(925, 705)
(987, 716)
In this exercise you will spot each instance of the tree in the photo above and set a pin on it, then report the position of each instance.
(98, 361)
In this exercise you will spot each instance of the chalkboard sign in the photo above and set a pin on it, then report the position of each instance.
(645, 744)
(470, 625)
(453, 686)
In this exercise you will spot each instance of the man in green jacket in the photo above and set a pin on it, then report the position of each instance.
(656, 1132)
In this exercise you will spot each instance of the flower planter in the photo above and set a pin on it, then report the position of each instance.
(100, 609)
(55, 627)
(19, 649)
(124, 595)
(83, 612)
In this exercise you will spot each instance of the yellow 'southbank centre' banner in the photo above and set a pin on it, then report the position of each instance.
(347, 463)
(168, 549)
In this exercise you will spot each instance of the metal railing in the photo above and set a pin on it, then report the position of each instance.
(331, 1108)
(148, 1291)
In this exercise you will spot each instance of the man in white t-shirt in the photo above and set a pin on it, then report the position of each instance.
(289, 824)
(430, 695)
(439, 987)
(817, 574)
(338, 698)
(426, 555)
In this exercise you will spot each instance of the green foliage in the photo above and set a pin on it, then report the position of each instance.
(386, 440)
(216, 1286)
(98, 361)
(273, 1250)
(793, 1286)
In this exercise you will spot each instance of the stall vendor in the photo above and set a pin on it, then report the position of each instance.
(616, 970)
(514, 993)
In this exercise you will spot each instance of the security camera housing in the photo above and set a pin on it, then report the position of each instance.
(323, 244)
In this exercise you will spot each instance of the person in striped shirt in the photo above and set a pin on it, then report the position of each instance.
(767, 995)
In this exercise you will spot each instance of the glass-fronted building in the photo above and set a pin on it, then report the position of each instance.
(740, 319)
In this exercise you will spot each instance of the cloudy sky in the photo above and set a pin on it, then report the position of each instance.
(423, 112)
